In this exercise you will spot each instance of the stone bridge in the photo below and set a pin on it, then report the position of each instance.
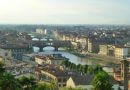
(54, 43)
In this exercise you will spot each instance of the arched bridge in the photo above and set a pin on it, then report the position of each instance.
(55, 43)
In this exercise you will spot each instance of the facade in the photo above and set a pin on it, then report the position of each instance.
(83, 81)
(52, 73)
(122, 74)
(29, 58)
(79, 42)
(17, 50)
(55, 59)
(103, 50)
(125, 74)
(93, 46)
(5, 55)
(42, 60)
(41, 31)
(121, 52)
(114, 50)
(20, 69)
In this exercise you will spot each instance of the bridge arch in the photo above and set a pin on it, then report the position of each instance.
(56, 44)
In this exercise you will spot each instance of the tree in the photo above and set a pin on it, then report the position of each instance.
(67, 63)
(45, 86)
(102, 81)
(97, 69)
(2, 69)
(27, 83)
(72, 66)
(79, 67)
(8, 82)
(69, 88)
(90, 70)
(85, 68)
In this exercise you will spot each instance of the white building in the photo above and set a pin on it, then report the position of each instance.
(41, 31)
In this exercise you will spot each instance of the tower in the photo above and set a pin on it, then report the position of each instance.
(125, 73)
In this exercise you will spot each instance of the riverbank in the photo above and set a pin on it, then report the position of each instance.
(95, 57)
(75, 52)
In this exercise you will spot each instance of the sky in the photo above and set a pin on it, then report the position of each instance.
(64, 11)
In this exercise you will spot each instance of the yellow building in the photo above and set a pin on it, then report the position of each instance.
(121, 52)
(93, 46)
(42, 60)
(52, 73)
(114, 50)
(103, 50)
(39, 31)
(83, 81)
(55, 59)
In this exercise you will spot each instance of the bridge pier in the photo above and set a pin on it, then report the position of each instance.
(56, 48)
(40, 49)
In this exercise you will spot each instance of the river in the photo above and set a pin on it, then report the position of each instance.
(73, 58)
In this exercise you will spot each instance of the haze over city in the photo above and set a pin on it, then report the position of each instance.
(64, 11)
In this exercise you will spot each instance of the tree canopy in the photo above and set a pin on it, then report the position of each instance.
(102, 81)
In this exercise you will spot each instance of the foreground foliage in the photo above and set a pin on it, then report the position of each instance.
(83, 68)
(9, 82)
(79, 88)
(102, 81)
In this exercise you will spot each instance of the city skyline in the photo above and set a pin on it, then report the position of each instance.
(64, 12)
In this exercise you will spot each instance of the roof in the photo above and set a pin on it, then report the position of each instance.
(82, 79)
(54, 70)
(87, 79)
(52, 57)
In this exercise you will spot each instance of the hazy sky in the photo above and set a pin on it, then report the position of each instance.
(64, 11)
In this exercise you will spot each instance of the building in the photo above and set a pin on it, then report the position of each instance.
(5, 55)
(122, 74)
(66, 78)
(52, 73)
(125, 74)
(116, 51)
(83, 81)
(41, 31)
(17, 50)
(29, 58)
(93, 46)
(55, 59)
(42, 60)
(20, 69)
(121, 52)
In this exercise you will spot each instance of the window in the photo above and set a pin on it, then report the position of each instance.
(6, 54)
(64, 85)
(59, 79)
(64, 79)
(59, 85)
